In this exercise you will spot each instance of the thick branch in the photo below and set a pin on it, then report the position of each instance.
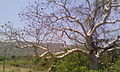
(116, 48)
(111, 43)
(58, 55)
(109, 47)
(72, 51)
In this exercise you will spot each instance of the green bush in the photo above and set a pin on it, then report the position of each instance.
(75, 62)
(2, 58)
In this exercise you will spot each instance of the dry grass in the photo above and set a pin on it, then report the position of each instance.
(15, 69)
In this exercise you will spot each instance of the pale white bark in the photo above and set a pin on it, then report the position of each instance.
(59, 55)
(72, 51)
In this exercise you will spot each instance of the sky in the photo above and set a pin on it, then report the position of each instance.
(9, 10)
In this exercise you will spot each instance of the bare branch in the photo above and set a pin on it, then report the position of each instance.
(73, 38)
(100, 24)
(72, 51)
(116, 48)
(110, 46)
(118, 5)
(43, 54)
(69, 29)
(109, 31)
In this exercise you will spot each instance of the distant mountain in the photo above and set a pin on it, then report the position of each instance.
(10, 51)
(1, 31)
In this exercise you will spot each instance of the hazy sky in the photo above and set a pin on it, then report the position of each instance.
(9, 10)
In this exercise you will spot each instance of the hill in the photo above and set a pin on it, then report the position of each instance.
(10, 51)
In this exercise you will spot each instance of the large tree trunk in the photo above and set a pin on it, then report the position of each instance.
(93, 62)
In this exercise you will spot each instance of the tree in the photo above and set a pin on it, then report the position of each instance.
(96, 25)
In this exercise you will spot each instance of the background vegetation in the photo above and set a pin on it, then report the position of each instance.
(76, 62)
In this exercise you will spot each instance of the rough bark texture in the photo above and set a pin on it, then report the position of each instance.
(93, 62)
